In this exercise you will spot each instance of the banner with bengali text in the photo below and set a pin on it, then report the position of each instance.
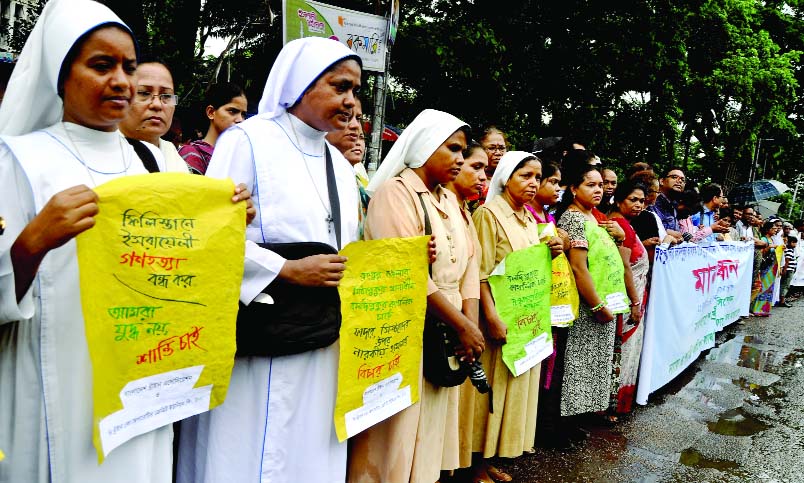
(383, 299)
(521, 285)
(160, 277)
(363, 33)
(696, 291)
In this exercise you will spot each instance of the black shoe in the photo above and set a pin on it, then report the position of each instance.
(783, 304)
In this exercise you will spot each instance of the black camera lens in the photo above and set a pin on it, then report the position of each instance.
(478, 376)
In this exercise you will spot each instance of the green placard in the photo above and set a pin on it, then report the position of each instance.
(521, 286)
(606, 268)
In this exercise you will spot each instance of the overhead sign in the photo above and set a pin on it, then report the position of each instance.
(363, 33)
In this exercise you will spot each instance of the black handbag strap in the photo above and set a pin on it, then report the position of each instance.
(428, 229)
(334, 202)
(145, 155)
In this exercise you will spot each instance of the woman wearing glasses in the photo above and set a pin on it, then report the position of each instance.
(495, 143)
(150, 117)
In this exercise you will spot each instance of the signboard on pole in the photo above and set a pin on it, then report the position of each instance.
(363, 33)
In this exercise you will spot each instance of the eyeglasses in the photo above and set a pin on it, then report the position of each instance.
(498, 149)
(145, 97)
(678, 177)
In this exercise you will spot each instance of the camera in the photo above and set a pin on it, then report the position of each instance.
(474, 370)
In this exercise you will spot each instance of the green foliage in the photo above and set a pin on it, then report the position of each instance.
(693, 83)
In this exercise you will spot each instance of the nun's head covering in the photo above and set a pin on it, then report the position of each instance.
(504, 171)
(416, 144)
(32, 101)
(298, 65)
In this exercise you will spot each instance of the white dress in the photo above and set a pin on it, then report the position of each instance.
(276, 424)
(45, 373)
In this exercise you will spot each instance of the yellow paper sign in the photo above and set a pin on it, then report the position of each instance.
(564, 294)
(160, 277)
(383, 299)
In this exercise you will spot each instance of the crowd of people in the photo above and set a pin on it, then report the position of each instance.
(82, 109)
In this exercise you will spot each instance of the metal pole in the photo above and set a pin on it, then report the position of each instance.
(380, 88)
(752, 171)
(799, 182)
(765, 162)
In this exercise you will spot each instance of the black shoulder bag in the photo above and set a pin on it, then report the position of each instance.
(300, 319)
(441, 365)
(145, 155)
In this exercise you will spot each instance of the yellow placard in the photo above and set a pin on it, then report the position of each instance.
(564, 299)
(383, 299)
(160, 277)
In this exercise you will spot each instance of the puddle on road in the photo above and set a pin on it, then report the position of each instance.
(737, 422)
(690, 457)
(598, 458)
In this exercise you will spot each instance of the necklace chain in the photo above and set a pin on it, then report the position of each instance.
(89, 170)
(326, 207)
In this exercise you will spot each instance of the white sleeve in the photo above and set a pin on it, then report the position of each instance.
(233, 158)
(662, 231)
(17, 209)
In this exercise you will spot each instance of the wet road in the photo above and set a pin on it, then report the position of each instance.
(735, 415)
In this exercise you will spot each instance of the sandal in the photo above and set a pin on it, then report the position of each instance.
(481, 476)
(497, 474)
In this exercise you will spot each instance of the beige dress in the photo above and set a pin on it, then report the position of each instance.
(410, 446)
(464, 409)
(511, 429)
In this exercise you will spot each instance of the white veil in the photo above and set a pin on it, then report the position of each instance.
(31, 101)
(418, 141)
(299, 63)
(505, 168)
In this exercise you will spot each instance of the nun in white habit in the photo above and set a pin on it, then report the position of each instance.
(58, 139)
(276, 424)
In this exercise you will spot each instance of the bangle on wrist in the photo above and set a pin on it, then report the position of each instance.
(635, 304)
(599, 307)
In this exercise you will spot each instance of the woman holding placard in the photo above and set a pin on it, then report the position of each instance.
(629, 201)
(417, 443)
(504, 225)
(72, 85)
(594, 259)
(281, 401)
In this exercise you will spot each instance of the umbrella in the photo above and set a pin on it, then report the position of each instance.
(767, 208)
(756, 190)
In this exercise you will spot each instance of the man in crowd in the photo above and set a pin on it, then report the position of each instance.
(744, 225)
(609, 185)
(671, 185)
(705, 220)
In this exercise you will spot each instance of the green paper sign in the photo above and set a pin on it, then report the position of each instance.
(521, 286)
(606, 269)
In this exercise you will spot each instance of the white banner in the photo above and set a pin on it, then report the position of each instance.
(798, 277)
(696, 290)
(363, 33)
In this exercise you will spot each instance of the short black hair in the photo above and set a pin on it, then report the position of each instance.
(709, 191)
(222, 93)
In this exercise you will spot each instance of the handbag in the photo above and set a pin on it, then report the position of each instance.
(441, 365)
(297, 318)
